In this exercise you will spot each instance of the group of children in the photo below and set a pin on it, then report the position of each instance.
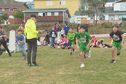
(82, 39)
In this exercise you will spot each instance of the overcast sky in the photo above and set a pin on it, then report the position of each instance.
(23, 0)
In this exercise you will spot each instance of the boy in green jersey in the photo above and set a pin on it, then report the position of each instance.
(70, 39)
(118, 41)
(84, 40)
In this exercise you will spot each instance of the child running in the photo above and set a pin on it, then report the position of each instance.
(20, 43)
(84, 40)
(118, 41)
(70, 39)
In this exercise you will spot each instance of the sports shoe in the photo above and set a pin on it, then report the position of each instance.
(29, 65)
(82, 65)
(89, 54)
(9, 55)
(118, 54)
(33, 65)
(113, 61)
(70, 53)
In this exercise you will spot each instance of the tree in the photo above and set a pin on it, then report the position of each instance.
(97, 7)
(4, 17)
(18, 14)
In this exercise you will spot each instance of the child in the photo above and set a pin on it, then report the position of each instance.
(70, 39)
(3, 42)
(20, 43)
(64, 42)
(94, 41)
(62, 32)
(47, 38)
(118, 41)
(53, 35)
(85, 40)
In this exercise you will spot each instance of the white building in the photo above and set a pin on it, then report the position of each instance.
(115, 11)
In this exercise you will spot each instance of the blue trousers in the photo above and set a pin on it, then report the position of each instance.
(52, 42)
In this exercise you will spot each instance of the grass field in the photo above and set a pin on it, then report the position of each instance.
(56, 66)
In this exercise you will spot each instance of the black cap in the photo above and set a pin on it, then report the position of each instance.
(33, 15)
(83, 26)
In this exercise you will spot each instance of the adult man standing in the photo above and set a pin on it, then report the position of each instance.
(31, 34)
(86, 26)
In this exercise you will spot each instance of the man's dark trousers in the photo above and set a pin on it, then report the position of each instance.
(32, 45)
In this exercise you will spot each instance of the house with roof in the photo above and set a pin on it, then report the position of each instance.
(115, 11)
(72, 5)
(10, 8)
(49, 16)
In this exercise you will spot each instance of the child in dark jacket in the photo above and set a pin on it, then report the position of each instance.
(53, 36)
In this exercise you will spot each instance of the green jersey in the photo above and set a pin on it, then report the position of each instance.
(71, 36)
(84, 38)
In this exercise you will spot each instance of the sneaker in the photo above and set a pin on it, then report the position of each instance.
(118, 54)
(54, 47)
(82, 65)
(74, 48)
(9, 55)
(70, 53)
(89, 54)
(1, 53)
(33, 65)
(29, 65)
(113, 61)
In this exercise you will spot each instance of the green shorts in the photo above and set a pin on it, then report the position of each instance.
(117, 45)
(71, 42)
(83, 48)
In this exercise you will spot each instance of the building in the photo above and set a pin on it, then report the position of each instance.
(30, 5)
(115, 10)
(49, 16)
(10, 8)
(72, 5)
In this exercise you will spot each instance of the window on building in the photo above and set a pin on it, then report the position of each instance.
(49, 14)
(41, 14)
(11, 9)
(62, 2)
(11, 16)
(56, 13)
(102, 17)
(111, 17)
(121, 17)
(3, 9)
(49, 3)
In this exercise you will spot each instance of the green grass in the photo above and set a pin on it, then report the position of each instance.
(56, 66)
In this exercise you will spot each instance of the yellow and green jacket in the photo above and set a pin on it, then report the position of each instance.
(30, 29)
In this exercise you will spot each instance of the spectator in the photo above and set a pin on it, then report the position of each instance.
(66, 28)
(62, 32)
(55, 27)
(86, 26)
